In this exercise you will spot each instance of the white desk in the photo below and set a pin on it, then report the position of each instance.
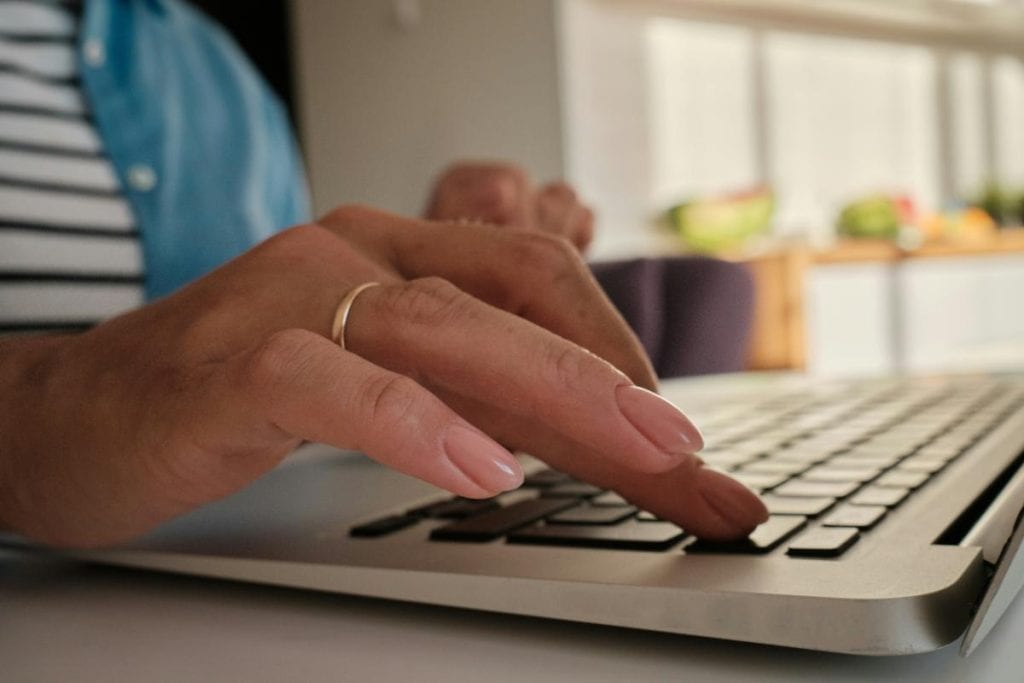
(69, 622)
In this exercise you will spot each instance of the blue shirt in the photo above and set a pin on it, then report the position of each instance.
(201, 145)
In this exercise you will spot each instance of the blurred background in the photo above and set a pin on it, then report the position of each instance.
(860, 161)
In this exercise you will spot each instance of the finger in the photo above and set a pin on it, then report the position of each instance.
(540, 278)
(583, 229)
(493, 193)
(704, 502)
(554, 204)
(560, 213)
(446, 338)
(307, 387)
(296, 279)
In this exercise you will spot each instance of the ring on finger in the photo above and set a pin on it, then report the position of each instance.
(344, 308)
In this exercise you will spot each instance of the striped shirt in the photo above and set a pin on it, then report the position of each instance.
(70, 254)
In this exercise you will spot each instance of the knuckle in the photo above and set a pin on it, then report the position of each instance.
(566, 365)
(548, 257)
(431, 301)
(297, 239)
(561, 190)
(391, 400)
(275, 359)
(348, 215)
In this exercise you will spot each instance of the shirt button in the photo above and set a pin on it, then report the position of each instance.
(141, 177)
(94, 53)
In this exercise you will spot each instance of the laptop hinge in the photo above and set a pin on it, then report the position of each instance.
(999, 533)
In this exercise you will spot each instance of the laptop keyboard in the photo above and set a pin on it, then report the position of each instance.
(830, 465)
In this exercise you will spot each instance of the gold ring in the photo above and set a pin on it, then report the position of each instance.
(341, 314)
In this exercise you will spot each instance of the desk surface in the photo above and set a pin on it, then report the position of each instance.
(72, 622)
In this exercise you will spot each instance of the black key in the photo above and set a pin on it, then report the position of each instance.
(810, 507)
(880, 495)
(763, 539)
(456, 508)
(857, 516)
(574, 489)
(491, 525)
(628, 536)
(381, 527)
(546, 478)
(589, 514)
(609, 498)
(823, 542)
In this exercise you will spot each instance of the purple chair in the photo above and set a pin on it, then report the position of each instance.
(692, 313)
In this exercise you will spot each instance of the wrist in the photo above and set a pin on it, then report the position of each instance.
(26, 364)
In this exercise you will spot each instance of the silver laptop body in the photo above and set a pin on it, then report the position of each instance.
(911, 583)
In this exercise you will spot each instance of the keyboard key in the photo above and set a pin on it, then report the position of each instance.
(880, 495)
(810, 507)
(759, 481)
(920, 464)
(859, 516)
(645, 516)
(823, 542)
(628, 536)
(574, 489)
(588, 514)
(727, 459)
(491, 525)
(799, 455)
(763, 539)
(383, 526)
(832, 473)
(609, 498)
(854, 461)
(455, 508)
(767, 465)
(801, 488)
(902, 478)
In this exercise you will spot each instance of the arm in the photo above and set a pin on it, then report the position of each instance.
(476, 336)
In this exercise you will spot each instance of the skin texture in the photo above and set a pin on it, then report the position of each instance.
(502, 194)
(498, 334)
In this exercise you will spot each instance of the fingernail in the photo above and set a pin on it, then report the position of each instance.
(659, 421)
(733, 501)
(484, 462)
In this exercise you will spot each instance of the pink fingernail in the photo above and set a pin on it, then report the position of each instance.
(484, 462)
(659, 421)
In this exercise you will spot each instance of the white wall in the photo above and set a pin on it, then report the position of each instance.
(383, 107)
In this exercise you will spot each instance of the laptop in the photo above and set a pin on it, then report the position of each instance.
(895, 525)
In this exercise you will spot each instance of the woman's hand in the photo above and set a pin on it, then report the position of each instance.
(475, 337)
(501, 194)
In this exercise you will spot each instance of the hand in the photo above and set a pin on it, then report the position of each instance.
(476, 336)
(501, 194)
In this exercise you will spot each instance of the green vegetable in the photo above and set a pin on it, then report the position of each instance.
(723, 223)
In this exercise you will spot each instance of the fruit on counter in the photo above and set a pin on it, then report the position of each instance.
(996, 202)
(723, 222)
(878, 216)
(971, 223)
(1003, 205)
